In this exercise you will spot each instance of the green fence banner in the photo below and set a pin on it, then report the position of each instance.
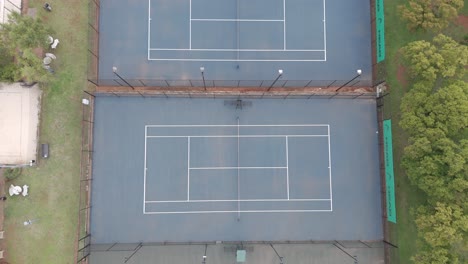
(380, 30)
(389, 176)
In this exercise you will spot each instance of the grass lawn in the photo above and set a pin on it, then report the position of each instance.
(54, 183)
(404, 233)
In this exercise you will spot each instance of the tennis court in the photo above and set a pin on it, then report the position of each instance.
(247, 40)
(241, 30)
(237, 169)
(181, 170)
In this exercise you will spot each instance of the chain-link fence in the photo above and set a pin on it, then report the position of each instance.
(93, 39)
(378, 68)
(285, 95)
(390, 249)
(222, 252)
(200, 83)
(86, 177)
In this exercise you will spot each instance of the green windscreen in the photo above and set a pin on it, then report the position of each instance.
(380, 30)
(389, 176)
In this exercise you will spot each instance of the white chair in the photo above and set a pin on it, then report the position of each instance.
(51, 55)
(14, 190)
(25, 190)
(55, 44)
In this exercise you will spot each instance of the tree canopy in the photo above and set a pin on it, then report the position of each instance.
(441, 58)
(18, 38)
(446, 109)
(435, 116)
(430, 15)
(23, 32)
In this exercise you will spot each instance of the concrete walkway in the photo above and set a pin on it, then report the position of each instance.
(19, 119)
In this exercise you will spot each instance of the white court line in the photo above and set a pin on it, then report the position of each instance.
(236, 20)
(188, 168)
(324, 31)
(292, 125)
(242, 200)
(149, 28)
(234, 136)
(234, 168)
(238, 160)
(247, 50)
(329, 170)
(225, 60)
(144, 177)
(247, 211)
(190, 34)
(284, 24)
(287, 167)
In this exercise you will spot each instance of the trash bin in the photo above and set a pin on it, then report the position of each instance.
(45, 150)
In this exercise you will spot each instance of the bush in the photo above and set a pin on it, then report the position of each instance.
(8, 73)
(12, 173)
(465, 40)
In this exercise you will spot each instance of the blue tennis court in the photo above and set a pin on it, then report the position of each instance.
(202, 169)
(237, 42)
(240, 30)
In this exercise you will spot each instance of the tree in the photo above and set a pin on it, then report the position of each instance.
(24, 32)
(442, 225)
(438, 167)
(30, 68)
(434, 256)
(443, 58)
(8, 68)
(435, 113)
(443, 230)
(18, 38)
(435, 160)
(432, 15)
(445, 109)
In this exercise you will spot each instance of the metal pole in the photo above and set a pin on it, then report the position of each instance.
(93, 82)
(280, 73)
(359, 72)
(204, 256)
(134, 252)
(114, 69)
(388, 243)
(280, 258)
(89, 93)
(202, 70)
(353, 257)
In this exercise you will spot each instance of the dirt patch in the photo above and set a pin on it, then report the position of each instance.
(402, 71)
(463, 21)
(401, 75)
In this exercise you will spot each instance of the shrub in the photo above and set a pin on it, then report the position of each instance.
(12, 173)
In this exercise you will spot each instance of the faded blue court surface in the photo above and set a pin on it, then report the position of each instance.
(204, 170)
(248, 40)
(237, 30)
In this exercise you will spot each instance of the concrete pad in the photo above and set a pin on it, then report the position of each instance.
(19, 119)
